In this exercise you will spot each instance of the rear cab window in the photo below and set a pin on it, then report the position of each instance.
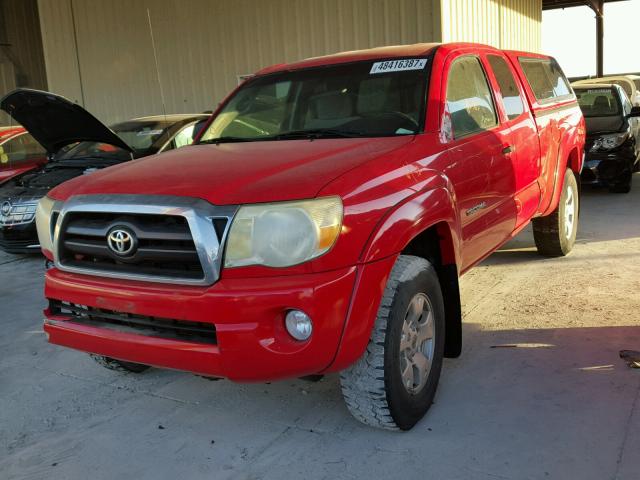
(509, 90)
(546, 79)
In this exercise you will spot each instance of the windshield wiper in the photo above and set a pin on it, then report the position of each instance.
(292, 135)
(219, 140)
(318, 133)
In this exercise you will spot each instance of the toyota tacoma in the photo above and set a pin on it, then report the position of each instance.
(321, 222)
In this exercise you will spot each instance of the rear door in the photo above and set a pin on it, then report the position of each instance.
(479, 168)
(525, 150)
(556, 113)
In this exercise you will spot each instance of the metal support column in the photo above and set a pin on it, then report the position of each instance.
(598, 8)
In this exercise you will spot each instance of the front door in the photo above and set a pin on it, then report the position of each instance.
(480, 167)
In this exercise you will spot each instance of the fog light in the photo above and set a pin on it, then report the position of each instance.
(298, 324)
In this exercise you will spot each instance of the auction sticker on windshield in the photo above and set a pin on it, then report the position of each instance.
(398, 65)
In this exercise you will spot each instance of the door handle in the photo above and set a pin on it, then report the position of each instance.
(507, 150)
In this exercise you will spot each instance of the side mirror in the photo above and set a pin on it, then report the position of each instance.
(635, 112)
(4, 158)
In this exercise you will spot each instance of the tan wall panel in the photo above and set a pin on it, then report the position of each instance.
(20, 29)
(203, 45)
(7, 83)
(58, 43)
(511, 24)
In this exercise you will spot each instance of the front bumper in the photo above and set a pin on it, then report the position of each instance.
(19, 238)
(602, 168)
(252, 343)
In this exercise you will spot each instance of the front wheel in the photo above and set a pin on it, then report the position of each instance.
(394, 382)
(555, 234)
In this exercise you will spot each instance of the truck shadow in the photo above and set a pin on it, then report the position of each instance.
(604, 217)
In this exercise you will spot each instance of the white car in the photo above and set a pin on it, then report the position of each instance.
(629, 83)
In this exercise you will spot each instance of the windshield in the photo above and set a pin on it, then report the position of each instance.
(368, 99)
(145, 137)
(598, 102)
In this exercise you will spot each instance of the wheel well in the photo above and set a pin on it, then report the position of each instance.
(573, 162)
(435, 244)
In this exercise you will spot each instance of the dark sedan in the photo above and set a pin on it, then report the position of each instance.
(613, 136)
(77, 144)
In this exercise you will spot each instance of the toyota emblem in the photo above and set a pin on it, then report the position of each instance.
(5, 208)
(122, 241)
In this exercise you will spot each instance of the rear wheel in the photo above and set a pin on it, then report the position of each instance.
(555, 234)
(393, 384)
(119, 365)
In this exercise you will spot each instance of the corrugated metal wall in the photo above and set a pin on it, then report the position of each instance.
(203, 45)
(7, 83)
(21, 55)
(99, 52)
(512, 24)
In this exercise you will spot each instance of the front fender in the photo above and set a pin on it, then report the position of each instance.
(434, 206)
(427, 208)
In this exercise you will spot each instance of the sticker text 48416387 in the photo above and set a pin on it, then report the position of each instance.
(398, 65)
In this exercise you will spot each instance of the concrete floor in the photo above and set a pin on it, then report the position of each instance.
(538, 393)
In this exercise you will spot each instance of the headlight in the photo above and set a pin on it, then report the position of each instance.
(283, 234)
(43, 223)
(609, 142)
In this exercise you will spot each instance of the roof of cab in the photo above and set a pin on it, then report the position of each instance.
(396, 51)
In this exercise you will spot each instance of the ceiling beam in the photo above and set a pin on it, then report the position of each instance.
(556, 4)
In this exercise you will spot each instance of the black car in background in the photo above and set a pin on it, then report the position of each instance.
(77, 144)
(612, 146)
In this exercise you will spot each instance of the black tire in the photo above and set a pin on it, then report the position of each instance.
(119, 365)
(550, 232)
(623, 185)
(373, 387)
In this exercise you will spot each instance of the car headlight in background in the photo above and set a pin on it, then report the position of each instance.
(609, 142)
(43, 223)
(283, 234)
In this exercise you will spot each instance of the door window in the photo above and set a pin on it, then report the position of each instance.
(187, 135)
(626, 104)
(469, 101)
(184, 137)
(508, 87)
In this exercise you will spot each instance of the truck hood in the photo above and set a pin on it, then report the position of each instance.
(56, 122)
(235, 173)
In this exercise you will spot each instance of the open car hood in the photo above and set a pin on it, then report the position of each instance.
(56, 122)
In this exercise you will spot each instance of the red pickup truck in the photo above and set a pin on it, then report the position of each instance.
(321, 223)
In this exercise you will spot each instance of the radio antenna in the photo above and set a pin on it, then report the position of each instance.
(155, 57)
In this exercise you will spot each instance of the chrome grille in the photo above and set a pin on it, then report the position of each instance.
(177, 239)
(164, 244)
(17, 213)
